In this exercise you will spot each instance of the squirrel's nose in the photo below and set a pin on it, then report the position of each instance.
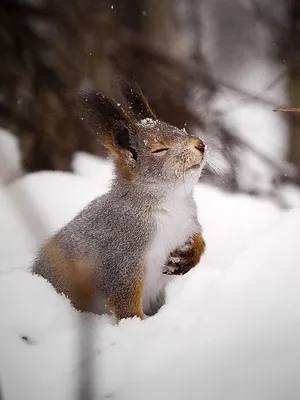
(198, 144)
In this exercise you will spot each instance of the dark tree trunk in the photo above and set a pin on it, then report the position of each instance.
(294, 81)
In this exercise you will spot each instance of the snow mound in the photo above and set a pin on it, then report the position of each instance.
(231, 222)
(230, 335)
(35, 206)
(229, 329)
(97, 170)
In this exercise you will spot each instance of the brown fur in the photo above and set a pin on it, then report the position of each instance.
(127, 302)
(122, 166)
(116, 127)
(70, 276)
(198, 247)
(74, 278)
(189, 257)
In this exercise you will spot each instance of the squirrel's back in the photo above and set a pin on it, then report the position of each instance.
(87, 254)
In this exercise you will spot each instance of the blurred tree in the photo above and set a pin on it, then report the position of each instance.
(52, 48)
(292, 53)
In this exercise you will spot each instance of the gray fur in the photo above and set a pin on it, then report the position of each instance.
(115, 231)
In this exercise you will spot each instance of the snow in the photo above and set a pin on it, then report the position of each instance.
(148, 123)
(89, 167)
(290, 195)
(35, 206)
(230, 328)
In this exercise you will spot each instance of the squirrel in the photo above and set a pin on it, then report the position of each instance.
(120, 251)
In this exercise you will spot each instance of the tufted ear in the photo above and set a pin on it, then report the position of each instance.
(109, 120)
(138, 104)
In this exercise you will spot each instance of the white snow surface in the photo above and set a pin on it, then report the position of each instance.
(230, 328)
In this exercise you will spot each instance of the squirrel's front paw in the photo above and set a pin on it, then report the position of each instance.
(181, 260)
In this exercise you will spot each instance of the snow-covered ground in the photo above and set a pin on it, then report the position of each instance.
(230, 328)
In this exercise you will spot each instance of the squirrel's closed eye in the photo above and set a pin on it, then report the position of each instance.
(160, 151)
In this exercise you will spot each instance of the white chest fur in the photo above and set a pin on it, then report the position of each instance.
(174, 225)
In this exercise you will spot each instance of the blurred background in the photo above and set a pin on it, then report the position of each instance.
(217, 67)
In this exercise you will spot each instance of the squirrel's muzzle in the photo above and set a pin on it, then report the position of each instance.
(196, 144)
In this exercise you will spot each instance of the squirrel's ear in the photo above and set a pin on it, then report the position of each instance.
(137, 102)
(108, 119)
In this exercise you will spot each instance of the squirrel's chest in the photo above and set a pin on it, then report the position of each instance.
(173, 226)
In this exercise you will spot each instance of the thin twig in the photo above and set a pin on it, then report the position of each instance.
(287, 109)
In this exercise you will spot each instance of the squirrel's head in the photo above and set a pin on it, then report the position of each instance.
(144, 148)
